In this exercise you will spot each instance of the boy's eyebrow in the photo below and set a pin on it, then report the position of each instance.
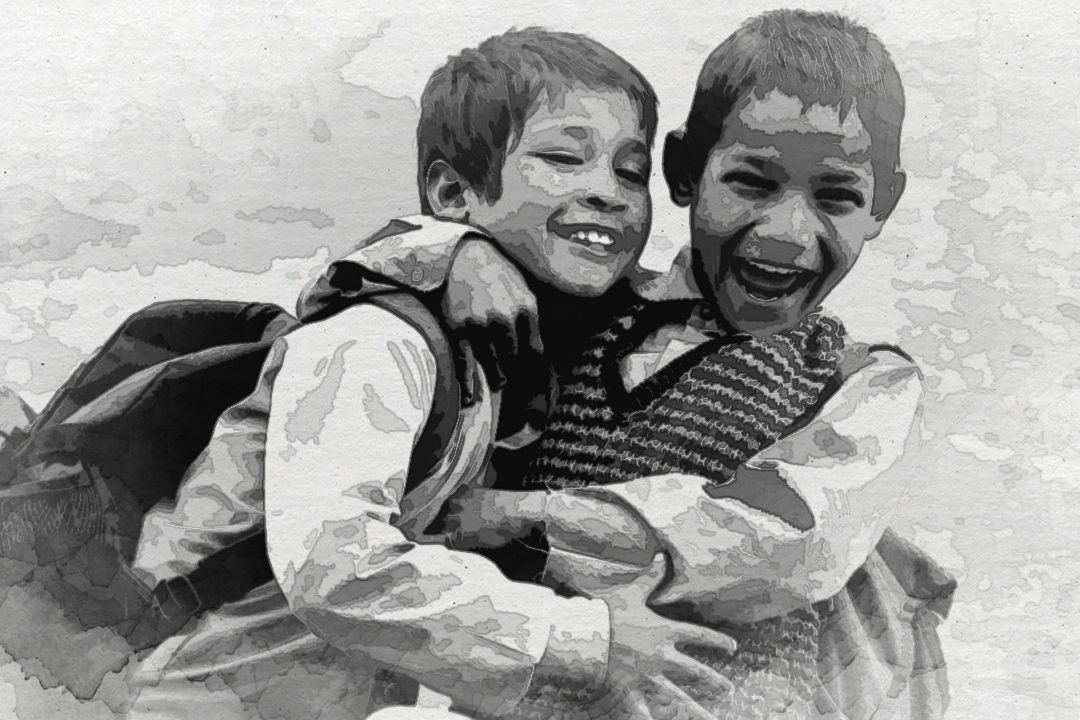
(858, 156)
(842, 170)
(839, 177)
(757, 161)
(555, 126)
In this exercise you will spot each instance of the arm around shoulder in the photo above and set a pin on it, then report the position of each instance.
(351, 397)
(819, 501)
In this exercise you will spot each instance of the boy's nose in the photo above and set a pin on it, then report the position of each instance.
(601, 191)
(794, 225)
(607, 203)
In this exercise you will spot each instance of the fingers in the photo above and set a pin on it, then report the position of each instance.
(464, 360)
(532, 367)
(504, 338)
(707, 639)
(527, 327)
(700, 678)
(498, 349)
(504, 347)
(454, 538)
(488, 359)
(502, 335)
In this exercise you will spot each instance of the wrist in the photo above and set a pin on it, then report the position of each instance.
(478, 245)
(475, 246)
(534, 505)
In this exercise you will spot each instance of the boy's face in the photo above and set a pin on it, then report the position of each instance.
(782, 210)
(575, 206)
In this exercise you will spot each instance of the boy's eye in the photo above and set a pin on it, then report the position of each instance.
(839, 199)
(637, 176)
(556, 157)
(749, 183)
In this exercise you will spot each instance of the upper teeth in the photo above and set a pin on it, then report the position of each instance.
(592, 236)
(773, 268)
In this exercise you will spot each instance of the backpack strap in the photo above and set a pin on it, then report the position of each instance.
(438, 431)
(229, 575)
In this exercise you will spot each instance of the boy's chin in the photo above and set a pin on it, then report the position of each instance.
(743, 312)
(758, 322)
(583, 282)
(579, 289)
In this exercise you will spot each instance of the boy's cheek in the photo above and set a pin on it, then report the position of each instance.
(723, 209)
(540, 177)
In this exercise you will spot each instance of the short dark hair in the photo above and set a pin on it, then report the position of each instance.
(818, 57)
(475, 105)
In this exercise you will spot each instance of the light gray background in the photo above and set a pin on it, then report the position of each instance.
(186, 151)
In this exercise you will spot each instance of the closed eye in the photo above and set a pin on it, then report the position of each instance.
(559, 158)
(750, 183)
(841, 198)
(633, 175)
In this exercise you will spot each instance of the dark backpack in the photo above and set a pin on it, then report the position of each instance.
(119, 437)
(116, 439)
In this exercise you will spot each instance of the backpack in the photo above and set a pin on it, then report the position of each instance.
(119, 437)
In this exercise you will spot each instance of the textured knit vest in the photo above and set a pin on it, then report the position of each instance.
(705, 414)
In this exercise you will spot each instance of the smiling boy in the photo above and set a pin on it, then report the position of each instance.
(748, 437)
(543, 140)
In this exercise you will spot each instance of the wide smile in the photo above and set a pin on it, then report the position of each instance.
(766, 282)
(598, 240)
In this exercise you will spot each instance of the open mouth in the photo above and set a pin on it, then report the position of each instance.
(766, 282)
(598, 240)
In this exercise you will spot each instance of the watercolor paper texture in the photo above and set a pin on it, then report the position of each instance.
(190, 151)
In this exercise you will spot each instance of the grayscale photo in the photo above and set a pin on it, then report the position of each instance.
(509, 360)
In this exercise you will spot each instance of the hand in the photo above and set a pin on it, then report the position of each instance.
(645, 645)
(481, 518)
(491, 314)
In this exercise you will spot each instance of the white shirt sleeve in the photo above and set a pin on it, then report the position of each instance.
(351, 396)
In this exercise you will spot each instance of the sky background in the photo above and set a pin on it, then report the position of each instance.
(189, 151)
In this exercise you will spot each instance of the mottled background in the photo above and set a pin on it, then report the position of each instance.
(191, 151)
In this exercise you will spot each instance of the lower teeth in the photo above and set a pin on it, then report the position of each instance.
(788, 286)
(757, 295)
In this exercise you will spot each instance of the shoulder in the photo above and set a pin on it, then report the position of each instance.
(363, 349)
(364, 327)
(883, 371)
(879, 359)
(363, 370)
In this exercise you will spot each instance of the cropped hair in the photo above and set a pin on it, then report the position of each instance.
(817, 57)
(474, 107)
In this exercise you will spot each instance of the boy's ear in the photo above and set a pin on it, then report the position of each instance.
(445, 191)
(897, 183)
(677, 167)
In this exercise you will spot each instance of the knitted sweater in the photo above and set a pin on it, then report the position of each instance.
(705, 414)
